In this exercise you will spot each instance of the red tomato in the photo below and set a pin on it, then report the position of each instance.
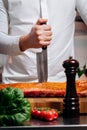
(42, 114)
(55, 113)
(36, 113)
(45, 114)
(49, 116)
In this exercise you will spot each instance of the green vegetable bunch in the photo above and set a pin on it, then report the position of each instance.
(81, 71)
(14, 108)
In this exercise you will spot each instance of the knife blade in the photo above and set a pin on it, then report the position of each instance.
(42, 65)
(45, 62)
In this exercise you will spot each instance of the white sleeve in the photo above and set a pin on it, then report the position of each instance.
(81, 5)
(9, 45)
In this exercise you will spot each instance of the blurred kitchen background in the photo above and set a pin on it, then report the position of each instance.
(80, 43)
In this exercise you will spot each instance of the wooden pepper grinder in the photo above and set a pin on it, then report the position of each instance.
(71, 100)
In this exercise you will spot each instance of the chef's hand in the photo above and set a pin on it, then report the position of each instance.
(40, 35)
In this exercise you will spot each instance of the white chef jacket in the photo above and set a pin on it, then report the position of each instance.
(17, 18)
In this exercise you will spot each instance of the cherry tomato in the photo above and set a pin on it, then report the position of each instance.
(36, 113)
(49, 116)
(42, 114)
(55, 113)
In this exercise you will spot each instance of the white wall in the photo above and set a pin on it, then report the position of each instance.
(81, 49)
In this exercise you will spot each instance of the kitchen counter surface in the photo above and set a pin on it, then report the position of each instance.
(61, 124)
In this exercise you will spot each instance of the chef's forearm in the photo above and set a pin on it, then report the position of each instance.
(9, 45)
(24, 42)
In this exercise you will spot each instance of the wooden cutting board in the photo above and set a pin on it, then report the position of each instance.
(51, 94)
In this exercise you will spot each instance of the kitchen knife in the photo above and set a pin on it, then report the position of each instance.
(42, 62)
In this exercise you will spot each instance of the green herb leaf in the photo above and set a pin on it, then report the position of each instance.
(14, 108)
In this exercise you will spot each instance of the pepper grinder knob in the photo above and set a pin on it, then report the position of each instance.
(71, 100)
(71, 64)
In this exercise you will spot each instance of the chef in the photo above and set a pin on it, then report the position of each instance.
(22, 36)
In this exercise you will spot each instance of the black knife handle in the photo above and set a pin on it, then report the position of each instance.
(42, 23)
(43, 47)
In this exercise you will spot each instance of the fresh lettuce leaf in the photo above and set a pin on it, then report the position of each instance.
(14, 108)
